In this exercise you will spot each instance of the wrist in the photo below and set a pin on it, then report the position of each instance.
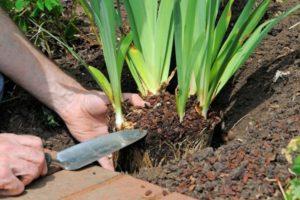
(65, 96)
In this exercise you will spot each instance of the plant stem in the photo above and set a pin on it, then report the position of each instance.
(119, 118)
(204, 110)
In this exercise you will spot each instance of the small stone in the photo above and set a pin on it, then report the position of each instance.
(173, 168)
(192, 187)
(204, 154)
(169, 183)
(199, 188)
(237, 173)
(211, 175)
(209, 186)
(280, 158)
(206, 167)
(182, 163)
(219, 167)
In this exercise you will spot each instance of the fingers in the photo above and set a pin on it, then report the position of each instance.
(27, 140)
(9, 184)
(22, 160)
(31, 141)
(26, 171)
(134, 99)
(32, 155)
(107, 163)
(28, 153)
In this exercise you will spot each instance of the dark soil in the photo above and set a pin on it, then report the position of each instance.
(167, 138)
(260, 117)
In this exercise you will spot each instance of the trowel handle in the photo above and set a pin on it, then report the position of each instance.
(48, 159)
(52, 161)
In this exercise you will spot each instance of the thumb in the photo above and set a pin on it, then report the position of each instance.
(134, 99)
(107, 163)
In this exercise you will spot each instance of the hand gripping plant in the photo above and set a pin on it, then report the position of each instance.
(152, 31)
(104, 16)
(204, 50)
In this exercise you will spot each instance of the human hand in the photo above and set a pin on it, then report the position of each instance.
(22, 160)
(86, 117)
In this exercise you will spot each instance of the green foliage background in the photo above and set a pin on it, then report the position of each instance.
(49, 14)
(39, 10)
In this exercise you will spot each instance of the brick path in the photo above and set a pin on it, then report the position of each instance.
(95, 183)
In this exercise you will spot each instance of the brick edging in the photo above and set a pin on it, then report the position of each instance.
(94, 183)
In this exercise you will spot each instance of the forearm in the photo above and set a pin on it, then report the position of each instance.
(25, 65)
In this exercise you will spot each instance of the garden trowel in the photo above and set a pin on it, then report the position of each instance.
(85, 153)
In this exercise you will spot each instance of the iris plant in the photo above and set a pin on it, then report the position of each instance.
(152, 29)
(209, 51)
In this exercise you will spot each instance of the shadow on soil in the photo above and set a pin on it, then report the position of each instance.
(256, 89)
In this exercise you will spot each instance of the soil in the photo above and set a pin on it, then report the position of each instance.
(261, 115)
(167, 138)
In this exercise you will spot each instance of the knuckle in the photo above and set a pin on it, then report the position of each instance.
(6, 147)
(40, 158)
(32, 172)
(36, 141)
(6, 135)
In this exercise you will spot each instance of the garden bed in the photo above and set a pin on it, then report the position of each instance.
(167, 138)
(261, 115)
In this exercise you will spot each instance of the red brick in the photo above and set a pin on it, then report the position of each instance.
(92, 184)
(122, 187)
(64, 183)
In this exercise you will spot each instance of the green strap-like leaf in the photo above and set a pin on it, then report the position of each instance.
(186, 50)
(122, 51)
(246, 50)
(242, 19)
(164, 39)
(152, 28)
(138, 62)
(102, 82)
(221, 28)
(138, 80)
(237, 41)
